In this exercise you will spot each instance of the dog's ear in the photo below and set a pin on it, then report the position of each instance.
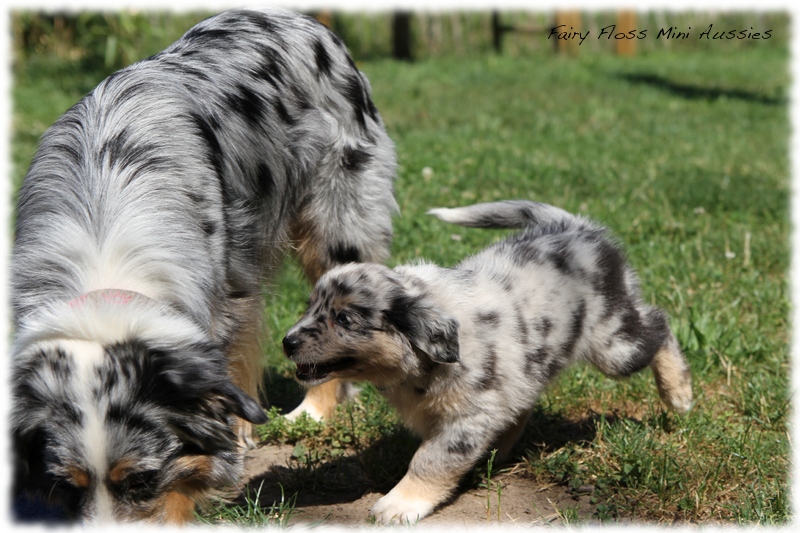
(32, 485)
(203, 373)
(29, 464)
(426, 326)
(200, 396)
(241, 404)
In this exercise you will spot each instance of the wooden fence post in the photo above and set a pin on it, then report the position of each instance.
(626, 21)
(325, 17)
(498, 30)
(571, 19)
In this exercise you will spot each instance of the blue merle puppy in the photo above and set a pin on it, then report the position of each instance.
(463, 352)
(152, 212)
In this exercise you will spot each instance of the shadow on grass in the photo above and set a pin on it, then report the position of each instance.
(695, 92)
(318, 479)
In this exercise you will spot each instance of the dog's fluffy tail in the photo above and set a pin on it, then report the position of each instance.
(510, 214)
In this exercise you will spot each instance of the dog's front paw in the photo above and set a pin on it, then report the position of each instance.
(305, 407)
(396, 508)
(321, 400)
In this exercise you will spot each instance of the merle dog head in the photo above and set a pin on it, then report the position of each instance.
(366, 321)
(123, 429)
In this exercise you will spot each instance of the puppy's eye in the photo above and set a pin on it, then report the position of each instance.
(342, 319)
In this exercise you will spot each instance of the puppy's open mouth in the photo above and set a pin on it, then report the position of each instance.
(315, 371)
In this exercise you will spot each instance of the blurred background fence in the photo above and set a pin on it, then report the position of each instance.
(117, 38)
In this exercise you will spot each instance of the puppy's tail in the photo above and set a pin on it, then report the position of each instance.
(508, 214)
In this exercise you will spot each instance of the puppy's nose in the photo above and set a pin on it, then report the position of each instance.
(290, 344)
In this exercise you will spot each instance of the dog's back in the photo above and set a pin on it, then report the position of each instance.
(185, 175)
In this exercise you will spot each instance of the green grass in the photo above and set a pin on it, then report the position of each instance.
(685, 157)
(252, 512)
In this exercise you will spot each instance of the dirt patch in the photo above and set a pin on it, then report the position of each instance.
(327, 494)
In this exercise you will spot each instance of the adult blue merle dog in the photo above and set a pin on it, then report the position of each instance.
(464, 352)
(151, 214)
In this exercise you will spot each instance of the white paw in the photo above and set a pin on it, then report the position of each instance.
(681, 400)
(305, 407)
(398, 509)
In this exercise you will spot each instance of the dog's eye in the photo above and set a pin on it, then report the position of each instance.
(65, 493)
(343, 319)
(140, 486)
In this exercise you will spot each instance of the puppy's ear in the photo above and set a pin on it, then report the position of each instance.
(426, 326)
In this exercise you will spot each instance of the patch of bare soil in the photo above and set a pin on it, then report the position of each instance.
(332, 495)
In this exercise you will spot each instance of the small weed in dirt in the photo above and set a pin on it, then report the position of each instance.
(252, 512)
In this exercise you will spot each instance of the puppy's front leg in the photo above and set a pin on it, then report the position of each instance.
(432, 476)
(412, 499)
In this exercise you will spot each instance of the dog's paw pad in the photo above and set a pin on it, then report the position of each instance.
(396, 509)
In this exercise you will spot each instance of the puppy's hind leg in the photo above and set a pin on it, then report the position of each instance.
(673, 378)
(649, 343)
(510, 437)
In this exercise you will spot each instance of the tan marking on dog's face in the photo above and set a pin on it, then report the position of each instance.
(78, 477)
(362, 353)
(193, 472)
(120, 470)
(178, 508)
(174, 503)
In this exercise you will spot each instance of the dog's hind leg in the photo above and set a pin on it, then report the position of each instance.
(510, 436)
(246, 360)
(646, 340)
(318, 248)
(321, 400)
(673, 378)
